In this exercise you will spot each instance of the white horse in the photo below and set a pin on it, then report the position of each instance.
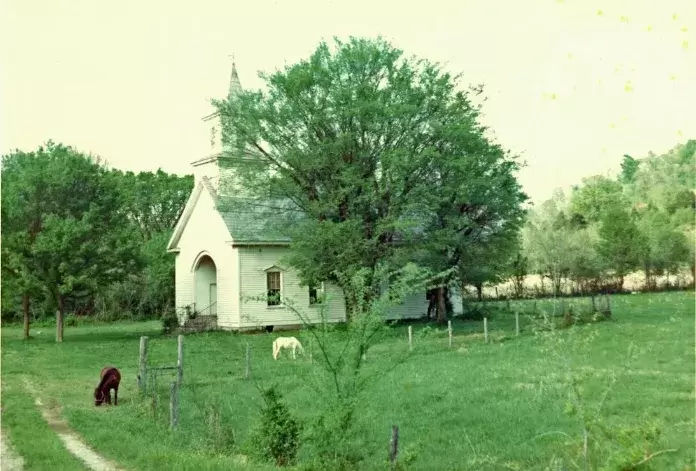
(286, 342)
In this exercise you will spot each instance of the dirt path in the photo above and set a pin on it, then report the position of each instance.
(70, 439)
(9, 459)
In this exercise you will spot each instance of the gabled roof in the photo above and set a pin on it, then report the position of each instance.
(255, 221)
(248, 221)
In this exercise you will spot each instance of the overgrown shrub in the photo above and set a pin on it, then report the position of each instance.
(477, 311)
(278, 436)
(169, 322)
(334, 446)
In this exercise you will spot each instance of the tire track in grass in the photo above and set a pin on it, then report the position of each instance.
(9, 459)
(72, 441)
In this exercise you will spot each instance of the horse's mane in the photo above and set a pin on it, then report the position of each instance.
(104, 378)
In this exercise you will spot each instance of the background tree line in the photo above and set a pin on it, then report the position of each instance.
(78, 237)
(642, 220)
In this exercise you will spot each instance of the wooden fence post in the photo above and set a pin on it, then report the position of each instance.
(394, 445)
(449, 332)
(174, 405)
(517, 322)
(179, 359)
(247, 369)
(142, 365)
(410, 338)
(594, 307)
(485, 329)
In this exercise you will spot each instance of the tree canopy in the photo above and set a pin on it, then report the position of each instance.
(74, 231)
(381, 155)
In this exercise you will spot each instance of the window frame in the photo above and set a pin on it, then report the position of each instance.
(269, 301)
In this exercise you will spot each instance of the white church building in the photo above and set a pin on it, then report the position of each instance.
(230, 271)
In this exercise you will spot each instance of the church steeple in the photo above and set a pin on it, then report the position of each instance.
(208, 166)
(235, 85)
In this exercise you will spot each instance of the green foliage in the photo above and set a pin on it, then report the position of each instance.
(477, 311)
(278, 435)
(596, 196)
(643, 220)
(90, 239)
(379, 159)
(169, 322)
(629, 167)
(152, 202)
(61, 220)
(620, 242)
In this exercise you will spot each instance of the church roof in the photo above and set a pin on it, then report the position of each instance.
(252, 220)
(255, 221)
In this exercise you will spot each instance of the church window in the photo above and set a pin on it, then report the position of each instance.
(273, 287)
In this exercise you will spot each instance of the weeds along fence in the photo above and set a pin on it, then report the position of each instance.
(148, 378)
(496, 321)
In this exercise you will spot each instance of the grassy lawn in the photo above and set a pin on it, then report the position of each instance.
(508, 404)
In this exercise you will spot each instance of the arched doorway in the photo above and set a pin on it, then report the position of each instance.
(205, 286)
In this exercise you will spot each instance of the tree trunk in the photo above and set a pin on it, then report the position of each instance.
(557, 285)
(621, 283)
(25, 308)
(441, 307)
(59, 319)
(479, 292)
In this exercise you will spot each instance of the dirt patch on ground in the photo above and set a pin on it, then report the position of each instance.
(9, 459)
(70, 439)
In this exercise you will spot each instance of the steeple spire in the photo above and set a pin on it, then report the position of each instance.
(235, 85)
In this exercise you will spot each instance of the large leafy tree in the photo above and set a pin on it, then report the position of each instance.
(357, 138)
(551, 241)
(61, 216)
(152, 201)
(621, 243)
(664, 247)
(475, 215)
(596, 196)
(21, 224)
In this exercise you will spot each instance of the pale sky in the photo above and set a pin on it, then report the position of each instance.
(572, 84)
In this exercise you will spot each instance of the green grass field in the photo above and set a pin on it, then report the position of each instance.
(509, 404)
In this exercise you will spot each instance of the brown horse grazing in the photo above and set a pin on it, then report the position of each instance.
(110, 377)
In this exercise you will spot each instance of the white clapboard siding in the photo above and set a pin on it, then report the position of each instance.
(254, 313)
(205, 233)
